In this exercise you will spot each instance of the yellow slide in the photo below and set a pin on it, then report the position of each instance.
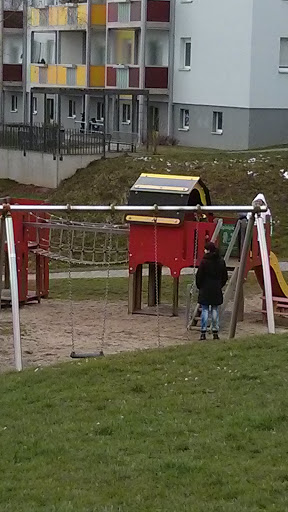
(279, 285)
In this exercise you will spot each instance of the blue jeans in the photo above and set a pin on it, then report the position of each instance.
(205, 317)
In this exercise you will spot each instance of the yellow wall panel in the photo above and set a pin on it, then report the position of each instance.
(97, 76)
(81, 76)
(34, 74)
(62, 16)
(61, 75)
(82, 14)
(52, 75)
(98, 14)
(53, 16)
(35, 17)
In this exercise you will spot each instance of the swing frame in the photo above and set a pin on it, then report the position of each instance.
(7, 220)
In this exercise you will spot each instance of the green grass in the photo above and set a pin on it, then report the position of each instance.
(94, 289)
(197, 428)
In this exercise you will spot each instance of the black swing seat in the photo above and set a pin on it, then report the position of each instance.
(86, 355)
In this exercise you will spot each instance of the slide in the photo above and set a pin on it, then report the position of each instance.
(279, 285)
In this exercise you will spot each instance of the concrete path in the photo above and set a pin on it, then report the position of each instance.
(86, 274)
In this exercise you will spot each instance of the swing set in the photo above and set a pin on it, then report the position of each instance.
(32, 225)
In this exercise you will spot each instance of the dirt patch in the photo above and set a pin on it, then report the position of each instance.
(46, 330)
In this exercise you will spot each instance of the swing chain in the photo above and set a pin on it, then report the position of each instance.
(71, 311)
(156, 277)
(193, 285)
(107, 280)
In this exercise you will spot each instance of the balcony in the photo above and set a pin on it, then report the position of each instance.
(74, 16)
(12, 72)
(66, 75)
(158, 11)
(13, 19)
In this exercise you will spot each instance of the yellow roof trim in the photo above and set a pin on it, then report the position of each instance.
(170, 176)
(159, 220)
(162, 187)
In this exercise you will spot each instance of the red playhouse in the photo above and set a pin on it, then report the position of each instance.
(176, 240)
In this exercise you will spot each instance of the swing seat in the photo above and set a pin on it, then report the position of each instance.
(86, 355)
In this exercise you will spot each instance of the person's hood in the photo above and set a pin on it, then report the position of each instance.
(260, 197)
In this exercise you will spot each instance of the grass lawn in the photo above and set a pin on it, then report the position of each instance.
(197, 428)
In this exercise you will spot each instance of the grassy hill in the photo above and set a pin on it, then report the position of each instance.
(233, 178)
(200, 428)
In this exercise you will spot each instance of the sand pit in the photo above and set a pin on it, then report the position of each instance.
(46, 330)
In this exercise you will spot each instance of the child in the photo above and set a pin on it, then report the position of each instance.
(210, 278)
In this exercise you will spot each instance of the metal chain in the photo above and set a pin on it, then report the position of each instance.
(71, 311)
(107, 287)
(156, 280)
(193, 285)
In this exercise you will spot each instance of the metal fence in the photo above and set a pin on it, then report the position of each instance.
(51, 139)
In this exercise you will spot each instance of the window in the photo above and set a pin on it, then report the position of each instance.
(35, 105)
(14, 103)
(99, 111)
(72, 109)
(217, 126)
(126, 113)
(185, 53)
(283, 58)
(184, 119)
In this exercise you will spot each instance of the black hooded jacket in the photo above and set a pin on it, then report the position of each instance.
(210, 278)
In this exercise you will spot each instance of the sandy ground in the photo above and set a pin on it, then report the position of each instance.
(46, 330)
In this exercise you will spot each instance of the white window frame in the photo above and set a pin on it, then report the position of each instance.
(72, 110)
(282, 68)
(35, 105)
(184, 127)
(216, 130)
(14, 103)
(183, 53)
(126, 113)
(100, 110)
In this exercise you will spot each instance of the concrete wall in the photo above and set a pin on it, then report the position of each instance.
(220, 34)
(268, 86)
(268, 127)
(40, 169)
(235, 127)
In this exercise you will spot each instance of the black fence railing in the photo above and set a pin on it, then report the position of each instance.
(51, 139)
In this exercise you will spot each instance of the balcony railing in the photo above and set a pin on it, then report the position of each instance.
(58, 75)
(127, 12)
(125, 77)
(12, 72)
(122, 77)
(124, 12)
(13, 19)
(158, 10)
(72, 76)
(156, 77)
(62, 16)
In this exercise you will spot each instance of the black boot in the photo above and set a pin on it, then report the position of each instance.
(202, 336)
(215, 336)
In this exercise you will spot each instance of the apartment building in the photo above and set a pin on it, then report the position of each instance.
(216, 72)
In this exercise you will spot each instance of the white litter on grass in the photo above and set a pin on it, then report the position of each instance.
(249, 173)
(168, 163)
(168, 170)
(285, 175)
(251, 160)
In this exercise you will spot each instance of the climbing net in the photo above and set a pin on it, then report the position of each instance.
(80, 243)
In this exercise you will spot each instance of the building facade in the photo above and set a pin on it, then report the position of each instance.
(216, 71)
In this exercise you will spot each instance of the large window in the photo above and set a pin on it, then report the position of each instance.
(43, 48)
(283, 58)
(184, 119)
(217, 124)
(126, 113)
(185, 58)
